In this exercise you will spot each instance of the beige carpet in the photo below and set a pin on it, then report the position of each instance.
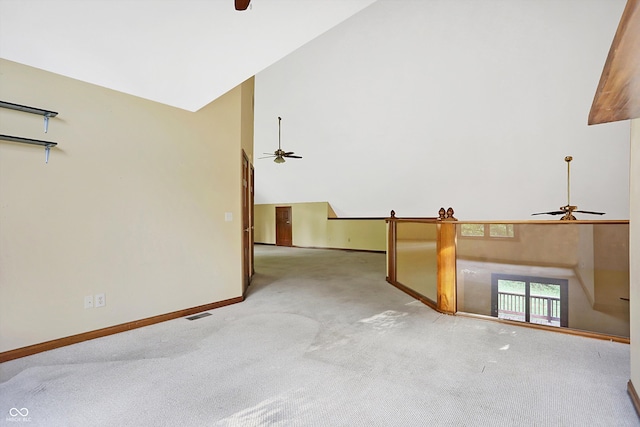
(323, 340)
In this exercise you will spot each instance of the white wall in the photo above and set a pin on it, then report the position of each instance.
(414, 105)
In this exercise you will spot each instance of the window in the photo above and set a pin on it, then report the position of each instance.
(498, 231)
(539, 300)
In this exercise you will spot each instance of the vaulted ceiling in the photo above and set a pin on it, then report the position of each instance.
(183, 53)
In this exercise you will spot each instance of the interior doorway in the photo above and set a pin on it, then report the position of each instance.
(284, 233)
(247, 222)
(252, 216)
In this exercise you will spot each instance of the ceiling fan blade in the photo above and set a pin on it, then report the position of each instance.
(292, 156)
(242, 4)
(288, 153)
(591, 212)
(268, 157)
(550, 213)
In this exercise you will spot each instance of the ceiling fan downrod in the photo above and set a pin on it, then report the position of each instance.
(279, 126)
(568, 160)
(280, 154)
(568, 210)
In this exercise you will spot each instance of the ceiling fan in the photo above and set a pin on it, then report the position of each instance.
(242, 4)
(568, 210)
(280, 154)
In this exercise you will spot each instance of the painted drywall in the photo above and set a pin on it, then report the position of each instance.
(246, 129)
(312, 228)
(414, 105)
(365, 234)
(132, 204)
(309, 224)
(201, 50)
(264, 224)
(634, 252)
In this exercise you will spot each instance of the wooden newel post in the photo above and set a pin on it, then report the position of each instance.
(446, 258)
(391, 248)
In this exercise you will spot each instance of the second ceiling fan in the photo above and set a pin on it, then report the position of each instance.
(568, 209)
(280, 154)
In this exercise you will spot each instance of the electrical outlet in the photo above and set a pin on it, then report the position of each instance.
(88, 301)
(100, 300)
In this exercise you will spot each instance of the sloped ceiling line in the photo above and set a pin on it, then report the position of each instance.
(183, 53)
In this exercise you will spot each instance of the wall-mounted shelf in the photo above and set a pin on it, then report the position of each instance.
(33, 110)
(46, 144)
(26, 109)
(28, 140)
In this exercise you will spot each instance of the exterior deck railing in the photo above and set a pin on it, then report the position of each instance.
(540, 308)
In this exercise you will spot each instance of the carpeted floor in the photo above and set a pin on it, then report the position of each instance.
(323, 340)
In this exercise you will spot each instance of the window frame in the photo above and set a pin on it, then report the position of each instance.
(564, 294)
(487, 232)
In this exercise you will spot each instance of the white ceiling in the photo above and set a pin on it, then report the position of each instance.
(183, 53)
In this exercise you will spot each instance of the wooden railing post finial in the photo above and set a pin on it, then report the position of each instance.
(446, 215)
(450, 213)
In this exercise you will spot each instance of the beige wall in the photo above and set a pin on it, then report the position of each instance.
(264, 224)
(311, 228)
(246, 130)
(132, 204)
(366, 234)
(634, 252)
